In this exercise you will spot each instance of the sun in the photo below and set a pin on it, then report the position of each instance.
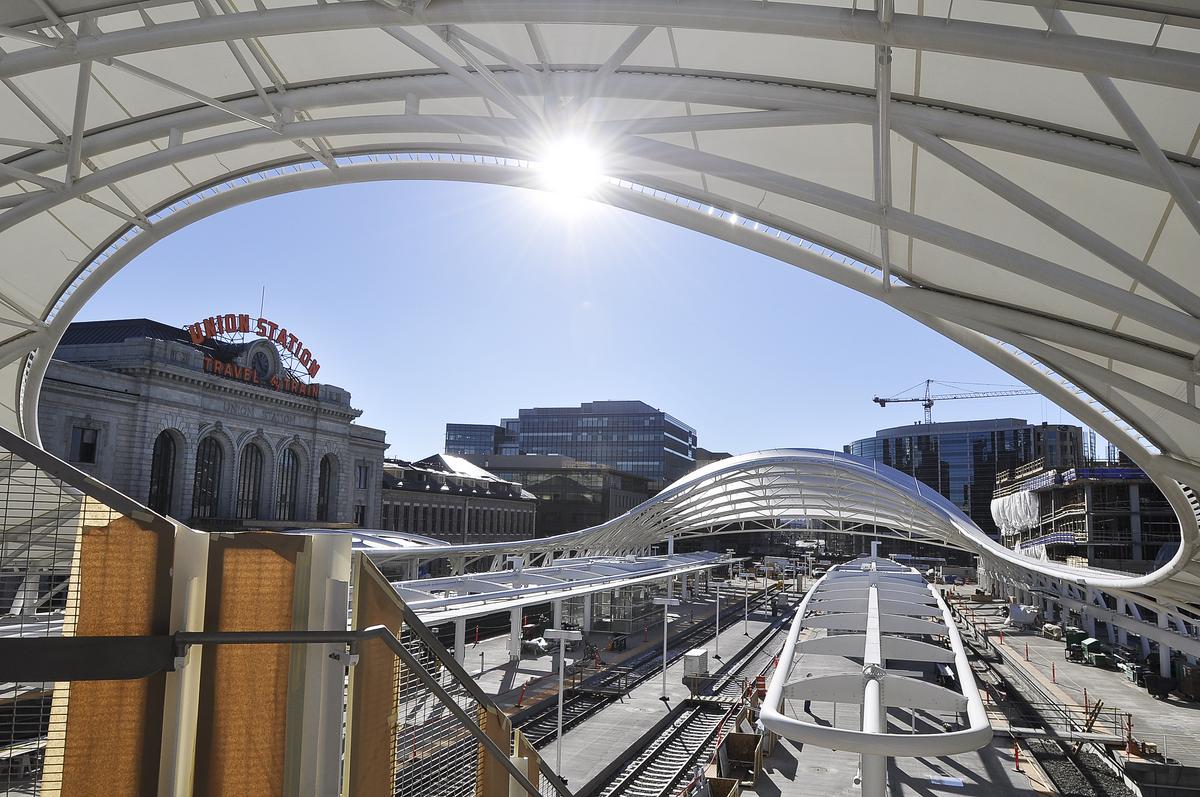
(571, 167)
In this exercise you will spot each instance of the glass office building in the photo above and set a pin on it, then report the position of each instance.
(463, 439)
(630, 436)
(961, 459)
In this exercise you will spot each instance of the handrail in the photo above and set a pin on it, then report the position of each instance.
(184, 639)
(414, 624)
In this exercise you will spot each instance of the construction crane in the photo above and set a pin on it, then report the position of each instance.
(929, 398)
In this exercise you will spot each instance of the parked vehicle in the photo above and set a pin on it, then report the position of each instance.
(1097, 654)
(1074, 639)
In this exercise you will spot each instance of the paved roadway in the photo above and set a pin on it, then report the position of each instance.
(1174, 722)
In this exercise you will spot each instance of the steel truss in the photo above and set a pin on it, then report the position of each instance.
(1127, 364)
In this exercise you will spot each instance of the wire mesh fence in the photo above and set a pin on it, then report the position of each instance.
(436, 755)
(40, 517)
(79, 560)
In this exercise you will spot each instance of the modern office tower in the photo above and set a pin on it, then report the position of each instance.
(630, 436)
(473, 438)
(705, 457)
(571, 495)
(961, 459)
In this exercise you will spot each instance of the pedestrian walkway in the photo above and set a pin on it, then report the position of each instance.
(1172, 722)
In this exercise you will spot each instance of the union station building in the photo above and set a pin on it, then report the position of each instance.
(226, 433)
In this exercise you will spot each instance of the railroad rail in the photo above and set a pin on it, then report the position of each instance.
(582, 702)
(667, 762)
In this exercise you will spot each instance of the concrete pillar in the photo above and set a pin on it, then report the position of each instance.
(514, 634)
(1135, 521)
(1089, 618)
(1164, 649)
(556, 614)
(684, 592)
(460, 640)
(1122, 634)
(457, 564)
(587, 613)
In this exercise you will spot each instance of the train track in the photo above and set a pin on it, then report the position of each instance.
(689, 740)
(542, 727)
(1077, 773)
(660, 769)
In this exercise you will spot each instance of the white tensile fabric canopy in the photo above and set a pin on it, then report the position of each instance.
(1020, 175)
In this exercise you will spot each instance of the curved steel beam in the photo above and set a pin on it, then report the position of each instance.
(1118, 59)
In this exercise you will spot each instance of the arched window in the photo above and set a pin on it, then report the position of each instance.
(326, 487)
(206, 487)
(289, 485)
(249, 494)
(162, 474)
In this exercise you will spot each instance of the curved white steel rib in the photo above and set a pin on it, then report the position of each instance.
(876, 689)
(773, 489)
(1050, 228)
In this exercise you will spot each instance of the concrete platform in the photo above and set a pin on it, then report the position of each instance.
(1174, 722)
(798, 770)
(499, 677)
(596, 742)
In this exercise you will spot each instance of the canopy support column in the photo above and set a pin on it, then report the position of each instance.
(514, 634)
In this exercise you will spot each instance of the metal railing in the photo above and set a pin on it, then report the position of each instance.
(49, 510)
(352, 639)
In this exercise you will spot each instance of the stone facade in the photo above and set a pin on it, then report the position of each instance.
(116, 389)
(448, 498)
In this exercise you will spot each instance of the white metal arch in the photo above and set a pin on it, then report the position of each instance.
(1019, 175)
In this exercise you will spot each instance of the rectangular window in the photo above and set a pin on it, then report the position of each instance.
(360, 515)
(83, 445)
(363, 476)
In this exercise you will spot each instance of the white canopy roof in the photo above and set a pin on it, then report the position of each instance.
(1032, 194)
(437, 600)
(884, 614)
(774, 489)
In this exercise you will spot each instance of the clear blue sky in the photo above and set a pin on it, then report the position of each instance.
(436, 302)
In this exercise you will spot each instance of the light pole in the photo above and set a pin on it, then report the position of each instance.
(717, 638)
(562, 636)
(665, 603)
